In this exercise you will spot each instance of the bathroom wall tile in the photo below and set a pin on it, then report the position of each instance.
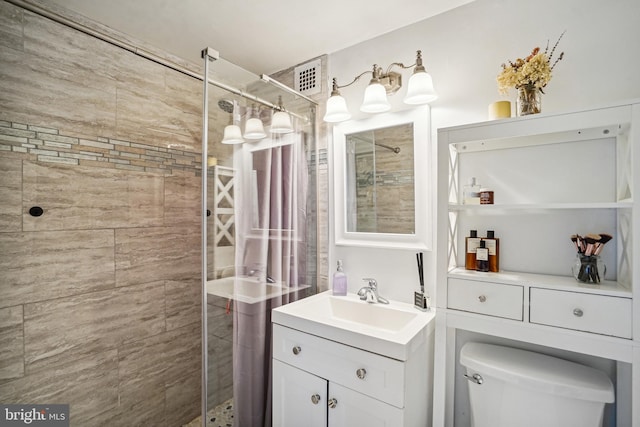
(11, 343)
(147, 368)
(146, 412)
(149, 118)
(157, 253)
(141, 369)
(47, 265)
(10, 26)
(55, 96)
(183, 302)
(90, 384)
(182, 199)
(323, 228)
(73, 327)
(219, 370)
(182, 400)
(11, 195)
(219, 322)
(85, 197)
(183, 352)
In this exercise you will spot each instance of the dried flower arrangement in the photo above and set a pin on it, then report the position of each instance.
(535, 70)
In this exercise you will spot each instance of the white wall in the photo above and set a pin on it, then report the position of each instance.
(463, 50)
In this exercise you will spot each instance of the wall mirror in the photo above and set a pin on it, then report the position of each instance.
(382, 180)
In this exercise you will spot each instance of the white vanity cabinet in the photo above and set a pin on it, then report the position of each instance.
(553, 175)
(319, 382)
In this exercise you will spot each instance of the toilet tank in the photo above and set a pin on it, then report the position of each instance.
(514, 387)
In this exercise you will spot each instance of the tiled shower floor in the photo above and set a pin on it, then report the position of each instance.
(220, 416)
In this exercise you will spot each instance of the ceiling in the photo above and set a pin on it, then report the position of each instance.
(261, 36)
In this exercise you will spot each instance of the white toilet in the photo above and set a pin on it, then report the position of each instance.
(509, 387)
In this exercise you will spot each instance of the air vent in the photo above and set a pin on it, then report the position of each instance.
(308, 77)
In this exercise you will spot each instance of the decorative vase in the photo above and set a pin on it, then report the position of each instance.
(529, 100)
(588, 269)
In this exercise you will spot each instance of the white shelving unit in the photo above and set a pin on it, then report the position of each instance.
(553, 175)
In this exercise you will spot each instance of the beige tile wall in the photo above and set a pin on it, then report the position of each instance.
(99, 296)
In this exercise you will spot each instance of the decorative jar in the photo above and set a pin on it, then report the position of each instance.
(588, 269)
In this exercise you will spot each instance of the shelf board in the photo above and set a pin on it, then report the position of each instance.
(538, 206)
(566, 283)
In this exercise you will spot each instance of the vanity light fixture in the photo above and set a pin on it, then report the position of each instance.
(232, 135)
(253, 129)
(420, 90)
(281, 120)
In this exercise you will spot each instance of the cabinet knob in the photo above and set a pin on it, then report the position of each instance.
(297, 350)
(315, 398)
(578, 312)
(482, 298)
(332, 403)
(361, 373)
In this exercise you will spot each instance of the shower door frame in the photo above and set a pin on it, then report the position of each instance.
(210, 55)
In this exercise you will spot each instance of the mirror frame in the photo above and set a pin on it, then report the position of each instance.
(423, 171)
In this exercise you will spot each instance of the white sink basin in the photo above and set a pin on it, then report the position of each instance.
(392, 330)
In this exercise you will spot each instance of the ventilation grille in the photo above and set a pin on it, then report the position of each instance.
(307, 77)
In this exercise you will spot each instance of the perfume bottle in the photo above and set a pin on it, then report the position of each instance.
(470, 246)
(471, 193)
(493, 245)
(339, 281)
(482, 257)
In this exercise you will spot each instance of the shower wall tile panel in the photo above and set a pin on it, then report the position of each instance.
(89, 384)
(146, 368)
(182, 399)
(10, 26)
(183, 351)
(100, 321)
(182, 199)
(37, 92)
(54, 264)
(10, 195)
(11, 343)
(139, 257)
(219, 371)
(181, 296)
(108, 144)
(219, 318)
(82, 197)
(179, 121)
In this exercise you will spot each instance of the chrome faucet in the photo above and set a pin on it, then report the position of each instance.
(369, 293)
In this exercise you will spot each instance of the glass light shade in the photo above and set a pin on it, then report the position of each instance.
(336, 110)
(232, 135)
(253, 129)
(281, 122)
(375, 99)
(420, 90)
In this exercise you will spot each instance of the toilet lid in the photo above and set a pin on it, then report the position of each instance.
(537, 371)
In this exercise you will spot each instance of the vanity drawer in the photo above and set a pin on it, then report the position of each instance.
(599, 314)
(382, 378)
(493, 299)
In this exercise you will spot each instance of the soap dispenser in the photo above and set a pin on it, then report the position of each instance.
(339, 281)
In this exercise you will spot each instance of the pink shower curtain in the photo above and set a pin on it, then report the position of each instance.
(270, 246)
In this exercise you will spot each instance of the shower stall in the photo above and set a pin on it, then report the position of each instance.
(258, 231)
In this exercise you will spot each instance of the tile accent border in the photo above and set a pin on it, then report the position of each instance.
(50, 146)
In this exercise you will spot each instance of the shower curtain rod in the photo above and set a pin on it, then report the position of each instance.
(56, 17)
(388, 147)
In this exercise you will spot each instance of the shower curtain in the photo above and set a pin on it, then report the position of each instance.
(271, 246)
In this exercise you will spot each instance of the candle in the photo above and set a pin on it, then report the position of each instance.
(499, 110)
